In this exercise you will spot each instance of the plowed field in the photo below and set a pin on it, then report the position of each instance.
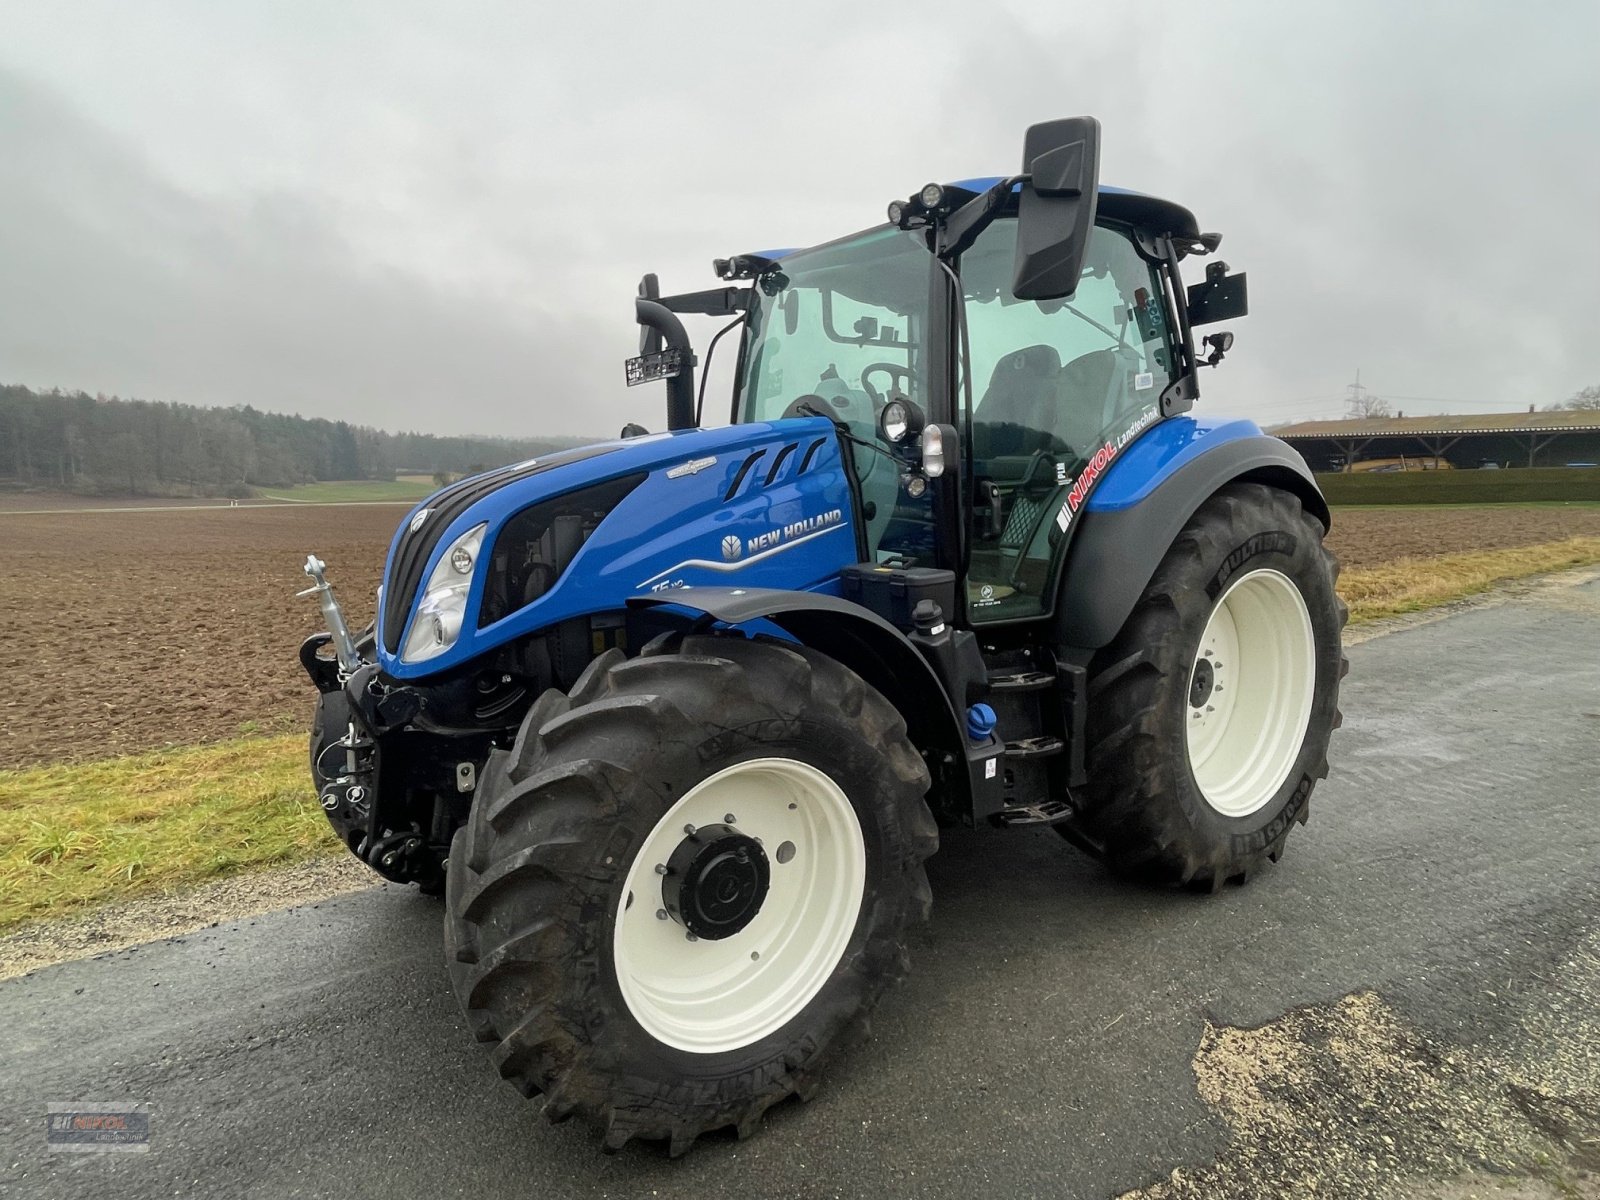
(135, 629)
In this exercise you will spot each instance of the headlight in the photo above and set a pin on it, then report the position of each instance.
(438, 619)
(896, 421)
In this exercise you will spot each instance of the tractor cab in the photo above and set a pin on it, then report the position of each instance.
(985, 354)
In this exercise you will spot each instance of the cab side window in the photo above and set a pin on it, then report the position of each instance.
(1053, 382)
(1053, 376)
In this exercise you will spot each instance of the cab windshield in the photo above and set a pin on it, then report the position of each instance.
(839, 330)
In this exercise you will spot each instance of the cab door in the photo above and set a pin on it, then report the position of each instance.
(1058, 389)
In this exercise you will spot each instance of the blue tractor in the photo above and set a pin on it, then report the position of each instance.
(673, 721)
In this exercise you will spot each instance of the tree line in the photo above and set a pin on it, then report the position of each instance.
(104, 445)
(1584, 400)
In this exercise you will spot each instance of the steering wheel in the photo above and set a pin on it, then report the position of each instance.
(895, 371)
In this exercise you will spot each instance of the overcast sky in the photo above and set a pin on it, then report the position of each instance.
(434, 216)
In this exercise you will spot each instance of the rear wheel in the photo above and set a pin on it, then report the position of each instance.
(687, 884)
(1212, 709)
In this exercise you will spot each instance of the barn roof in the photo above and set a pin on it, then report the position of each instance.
(1563, 421)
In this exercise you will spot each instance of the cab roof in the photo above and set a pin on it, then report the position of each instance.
(1149, 213)
(1120, 204)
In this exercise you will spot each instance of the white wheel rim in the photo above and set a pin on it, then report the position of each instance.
(710, 996)
(1259, 649)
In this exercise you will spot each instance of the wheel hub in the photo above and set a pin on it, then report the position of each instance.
(715, 882)
(764, 951)
(1200, 687)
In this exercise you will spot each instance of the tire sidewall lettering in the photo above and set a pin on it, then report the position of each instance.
(1269, 541)
(1275, 828)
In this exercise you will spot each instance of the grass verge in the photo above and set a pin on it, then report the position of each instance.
(75, 836)
(1412, 584)
(354, 491)
(72, 837)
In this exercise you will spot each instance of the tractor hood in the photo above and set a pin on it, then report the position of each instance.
(605, 522)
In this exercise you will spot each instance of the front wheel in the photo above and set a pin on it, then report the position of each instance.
(1212, 709)
(687, 884)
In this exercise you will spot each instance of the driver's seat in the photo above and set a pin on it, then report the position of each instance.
(1018, 409)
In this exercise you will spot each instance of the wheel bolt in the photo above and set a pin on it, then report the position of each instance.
(689, 829)
(661, 868)
(661, 914)
(1209, 708)
(728, 819)
(690, 937)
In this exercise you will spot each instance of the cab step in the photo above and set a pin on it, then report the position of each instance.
(1022, 681)
(1046, 812)
(1035, 747)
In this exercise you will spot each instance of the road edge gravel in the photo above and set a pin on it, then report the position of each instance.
(127, 923)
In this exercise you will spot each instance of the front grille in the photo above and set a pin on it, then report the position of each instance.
(413, 550)
(535, 547)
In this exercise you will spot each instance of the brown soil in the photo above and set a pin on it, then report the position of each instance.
(1369, 537)
(132, 630)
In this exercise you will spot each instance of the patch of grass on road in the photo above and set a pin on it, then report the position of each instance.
(354, 491)
(75, 836)
(1412, 584)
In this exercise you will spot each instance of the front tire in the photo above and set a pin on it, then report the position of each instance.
(1211, 711)
(687, 884)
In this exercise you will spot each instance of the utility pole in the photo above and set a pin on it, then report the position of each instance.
(1354, 408)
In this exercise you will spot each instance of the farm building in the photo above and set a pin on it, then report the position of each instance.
(1543, 439)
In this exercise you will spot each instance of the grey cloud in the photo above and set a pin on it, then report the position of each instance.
(432, 218)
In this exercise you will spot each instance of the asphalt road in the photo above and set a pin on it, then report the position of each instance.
(1413, 993)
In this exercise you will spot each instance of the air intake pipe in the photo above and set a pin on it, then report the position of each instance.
(656, 316)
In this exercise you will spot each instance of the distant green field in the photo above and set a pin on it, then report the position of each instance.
(352, 491)
(1516, 486)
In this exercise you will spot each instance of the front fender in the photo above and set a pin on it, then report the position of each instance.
(857, 637)
(1147, 498)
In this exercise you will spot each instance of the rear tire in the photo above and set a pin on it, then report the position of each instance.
(1211, 711)
(559, 943)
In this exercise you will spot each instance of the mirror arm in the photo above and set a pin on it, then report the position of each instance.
(960, 229)
(1180, 395)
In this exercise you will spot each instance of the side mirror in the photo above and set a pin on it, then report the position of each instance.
(1055, 213)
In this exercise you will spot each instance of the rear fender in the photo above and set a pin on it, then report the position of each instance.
(1145, 501)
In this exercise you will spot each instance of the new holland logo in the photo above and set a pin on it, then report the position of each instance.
(732, 548)
(693, 467)
(416, 521)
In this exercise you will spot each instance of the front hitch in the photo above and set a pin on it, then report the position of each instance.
(347, 768)
(344, 645)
